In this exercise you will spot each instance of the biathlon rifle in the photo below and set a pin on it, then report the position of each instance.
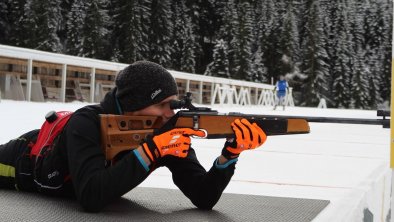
(125, 132)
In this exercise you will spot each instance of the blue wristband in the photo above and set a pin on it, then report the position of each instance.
(137, 154)
(222, 166)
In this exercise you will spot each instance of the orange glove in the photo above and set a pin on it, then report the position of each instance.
(247, 136)
(175, 142)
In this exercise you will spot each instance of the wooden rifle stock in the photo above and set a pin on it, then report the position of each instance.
(123, 132)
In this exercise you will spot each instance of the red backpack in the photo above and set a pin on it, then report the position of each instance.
(49, 174)
(54, 124)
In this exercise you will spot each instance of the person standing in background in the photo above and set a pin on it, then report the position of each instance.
(281, 89)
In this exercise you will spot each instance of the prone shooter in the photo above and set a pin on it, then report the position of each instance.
(65, 156)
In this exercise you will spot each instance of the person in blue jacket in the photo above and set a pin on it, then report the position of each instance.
(281, 88)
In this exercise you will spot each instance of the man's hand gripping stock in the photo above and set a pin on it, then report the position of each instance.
(175, 142)
(247, 136)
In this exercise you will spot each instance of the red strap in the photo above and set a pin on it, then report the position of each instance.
(49, 131)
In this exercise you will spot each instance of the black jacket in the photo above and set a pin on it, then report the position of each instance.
(78, 153)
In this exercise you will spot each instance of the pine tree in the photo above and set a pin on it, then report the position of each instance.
(220, 65)
(381, 77)
(360, 97)
(160, 32)
(95, 32)
(4, 24)
(203, 29)
(360, 93)
(263, 27)
(341, 63)
(188, 59)
(183, 56)
(256, 24)
(259, 71)
(131, 20)
(15, 15)
(315, 66)
(270, 32)
(290, 42)
(228, 32)
(42, 22)
(177, 35)
(65, 9)
(75, 21)
(243, 42)
(329, 11)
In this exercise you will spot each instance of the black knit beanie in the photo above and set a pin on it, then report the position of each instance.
(142, 84)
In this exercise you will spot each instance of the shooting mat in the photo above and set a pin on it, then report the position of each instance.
(157, 204)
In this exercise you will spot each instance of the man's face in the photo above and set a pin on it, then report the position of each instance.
(161, 109)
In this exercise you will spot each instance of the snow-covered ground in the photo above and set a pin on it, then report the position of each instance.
(346, 164)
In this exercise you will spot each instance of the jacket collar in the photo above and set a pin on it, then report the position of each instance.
(110, 104)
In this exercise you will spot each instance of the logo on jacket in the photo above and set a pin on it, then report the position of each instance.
(155, 93)
(53, 174)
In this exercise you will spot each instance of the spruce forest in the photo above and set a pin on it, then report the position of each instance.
(339, 50)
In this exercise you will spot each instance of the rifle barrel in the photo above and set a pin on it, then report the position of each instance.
(334, 119)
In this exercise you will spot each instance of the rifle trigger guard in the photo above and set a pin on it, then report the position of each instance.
(195, 122)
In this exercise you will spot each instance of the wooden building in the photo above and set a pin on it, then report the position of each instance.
(33, 75)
